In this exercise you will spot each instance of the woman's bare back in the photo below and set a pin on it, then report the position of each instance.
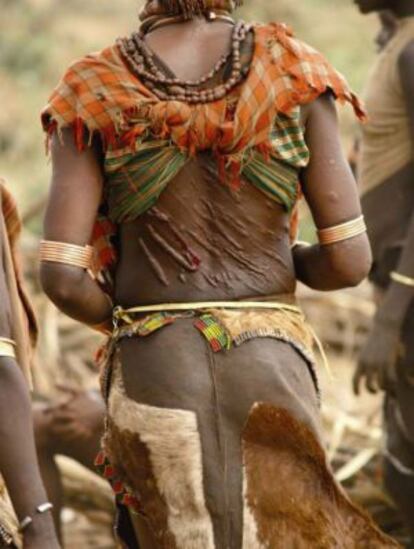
(204, 242)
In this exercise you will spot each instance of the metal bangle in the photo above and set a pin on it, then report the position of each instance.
(7, 347)
(69, 254)
(402, 279)
(40, 509)
(342, 232)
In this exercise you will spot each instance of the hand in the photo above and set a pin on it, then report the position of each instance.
(79, 417)
(378, 359)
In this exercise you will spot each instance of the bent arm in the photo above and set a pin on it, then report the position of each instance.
(74, 199)
(18, 460)
(331, 193)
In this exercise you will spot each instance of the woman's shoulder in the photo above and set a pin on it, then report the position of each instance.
(280, 39)
(92, 72)
(302, 72)
(96, 61)
(93, 93)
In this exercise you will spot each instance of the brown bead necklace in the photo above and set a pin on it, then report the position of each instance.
(140, 60)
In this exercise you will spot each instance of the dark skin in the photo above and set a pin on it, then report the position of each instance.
(377, 363)
(72, 427)
(18, 462)
(327, 183)
(241, 241)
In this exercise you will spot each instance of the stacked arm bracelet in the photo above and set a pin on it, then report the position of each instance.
(342, 232)
(69, 254)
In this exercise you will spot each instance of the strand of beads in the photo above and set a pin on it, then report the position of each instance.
(140, 59)
(149, 59)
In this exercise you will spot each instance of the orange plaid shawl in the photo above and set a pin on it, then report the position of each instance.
(98, 94)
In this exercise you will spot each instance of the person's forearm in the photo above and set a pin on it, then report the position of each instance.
(398, 296)
(18, 461)
(76, 293)
(327, 268)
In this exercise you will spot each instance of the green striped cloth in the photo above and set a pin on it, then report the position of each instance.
(135, 179)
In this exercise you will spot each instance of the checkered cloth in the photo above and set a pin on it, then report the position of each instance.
(98, 94)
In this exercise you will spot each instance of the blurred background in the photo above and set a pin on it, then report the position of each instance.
(38, 39)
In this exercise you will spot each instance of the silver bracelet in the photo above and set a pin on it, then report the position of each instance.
(40, 509)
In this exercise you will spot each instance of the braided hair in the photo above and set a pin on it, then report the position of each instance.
(190, 8)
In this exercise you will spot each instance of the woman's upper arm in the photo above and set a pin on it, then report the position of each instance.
(75, 196)
(75, 192)
(328, 183)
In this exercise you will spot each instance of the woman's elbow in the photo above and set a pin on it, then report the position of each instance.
(353, 277)
(351, 263)
(61, 283)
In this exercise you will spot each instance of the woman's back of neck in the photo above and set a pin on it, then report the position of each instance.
(192, 48)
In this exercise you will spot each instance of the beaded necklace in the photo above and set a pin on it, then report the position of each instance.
(140, 59)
